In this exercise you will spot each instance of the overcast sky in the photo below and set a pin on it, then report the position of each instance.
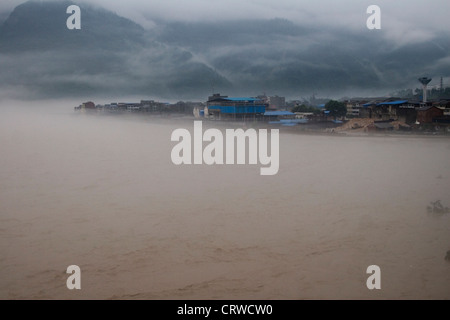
(401, 20)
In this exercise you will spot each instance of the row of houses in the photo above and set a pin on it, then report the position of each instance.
(236, 106)
(219, 107)
(384, 109)
(263, 108)
(143, 106)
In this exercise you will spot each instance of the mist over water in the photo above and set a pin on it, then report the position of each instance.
(101, 192)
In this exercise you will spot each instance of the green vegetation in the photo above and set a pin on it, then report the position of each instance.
(336, 108)
(306, 109)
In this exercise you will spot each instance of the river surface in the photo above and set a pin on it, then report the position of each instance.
(102, 193)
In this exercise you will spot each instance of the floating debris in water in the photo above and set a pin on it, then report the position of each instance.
(447, 257)
(437, 208)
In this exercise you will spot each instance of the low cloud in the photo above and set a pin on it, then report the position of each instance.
(183, 55)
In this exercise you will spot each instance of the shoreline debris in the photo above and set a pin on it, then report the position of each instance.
(437, 208)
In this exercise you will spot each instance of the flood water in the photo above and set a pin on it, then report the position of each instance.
(101, 192)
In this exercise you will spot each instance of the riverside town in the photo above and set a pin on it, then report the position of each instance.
(424, 111)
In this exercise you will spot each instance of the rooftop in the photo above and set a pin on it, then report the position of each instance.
(279, 113)
(388, 103)
(236, 99)
(426, 108)
(242, 99)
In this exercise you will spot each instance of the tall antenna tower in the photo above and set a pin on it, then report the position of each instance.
(425, 81)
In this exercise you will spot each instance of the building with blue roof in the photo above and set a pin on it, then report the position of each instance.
(224, 107)
(278, 113)
(393, 103)
(390, 109)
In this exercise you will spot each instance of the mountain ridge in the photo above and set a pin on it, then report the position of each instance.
(188, 59)
(110, 54)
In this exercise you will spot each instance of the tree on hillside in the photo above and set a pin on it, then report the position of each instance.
(336, 108)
